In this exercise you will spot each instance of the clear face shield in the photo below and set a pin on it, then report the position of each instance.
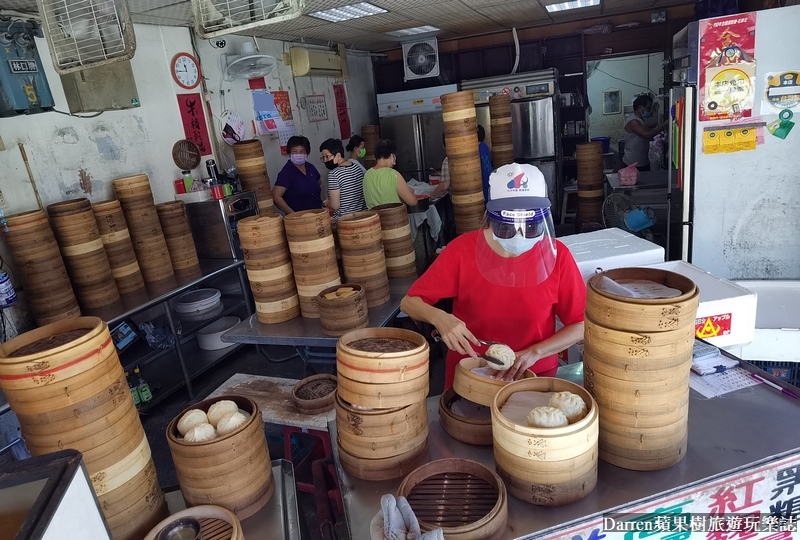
(527, 250)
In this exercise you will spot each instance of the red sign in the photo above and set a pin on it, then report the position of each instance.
(340, 95)
(732, 33)
(713, 326)
(194, 121)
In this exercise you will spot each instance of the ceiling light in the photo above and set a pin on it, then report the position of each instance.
(413, 31)
(345, 13)
(574, 4)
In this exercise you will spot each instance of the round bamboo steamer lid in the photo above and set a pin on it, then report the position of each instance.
(320, 405)
(341, 315)
(639, 314)
(232, 470)
(564, 450)
(389, 446)
(371, 423)
(383, 396)
(203, 513)
(132, 186)
(645, 460)
(359, 229)
(475, 388)
(382, 367)
(490, 526)
(466, 430)
(383, 469)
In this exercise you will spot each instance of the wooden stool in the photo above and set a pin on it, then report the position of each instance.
(569, 189)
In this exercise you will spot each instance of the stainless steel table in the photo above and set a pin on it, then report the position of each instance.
(647, 180)
(718, 443)
(302, 332)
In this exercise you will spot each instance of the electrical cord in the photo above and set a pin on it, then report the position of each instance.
(623, 80)
(95, 115)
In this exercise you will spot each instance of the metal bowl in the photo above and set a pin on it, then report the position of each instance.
(181, 529)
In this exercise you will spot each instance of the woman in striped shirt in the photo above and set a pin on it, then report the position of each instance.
(345, 180)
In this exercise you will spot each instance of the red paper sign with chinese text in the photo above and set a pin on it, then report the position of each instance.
(340, 95)
(716, 35)
(193, 117)
(713, 326)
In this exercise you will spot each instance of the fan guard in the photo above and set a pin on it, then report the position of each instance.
(249, 65)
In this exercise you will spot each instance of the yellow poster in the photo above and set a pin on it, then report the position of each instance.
(730, 88)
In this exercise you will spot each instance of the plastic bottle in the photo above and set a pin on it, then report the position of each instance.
(145, 394)
(188, 180)
(134, 391)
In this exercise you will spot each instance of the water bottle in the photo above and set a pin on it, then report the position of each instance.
(134, 392)
(144, 389)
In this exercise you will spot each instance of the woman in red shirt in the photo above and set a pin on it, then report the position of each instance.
(508, 281)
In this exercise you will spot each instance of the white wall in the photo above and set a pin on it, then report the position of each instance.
(237, 96)
(628, 74)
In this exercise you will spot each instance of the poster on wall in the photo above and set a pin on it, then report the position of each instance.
(727, 67)
(267, 117)
(316, 108)
(340, 95)
(782, 92)
(284, 106)
(193, 117)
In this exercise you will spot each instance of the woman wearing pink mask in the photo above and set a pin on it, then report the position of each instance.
(297, 187)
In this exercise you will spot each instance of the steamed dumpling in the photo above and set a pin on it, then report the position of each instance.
(547, 417)
(192, 418)
(502, 352)
(572, 405)
(245, 413)
(220, 409)
(200, 433)
(230, 422)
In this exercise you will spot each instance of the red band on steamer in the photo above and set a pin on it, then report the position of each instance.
(56, 369)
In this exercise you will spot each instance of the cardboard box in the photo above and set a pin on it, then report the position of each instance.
(726, 316)
(611, 248)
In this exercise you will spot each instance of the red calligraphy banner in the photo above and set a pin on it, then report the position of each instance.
(722, 40)
(193, 117)
(340, 95)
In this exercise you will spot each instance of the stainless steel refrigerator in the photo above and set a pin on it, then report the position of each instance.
(413, 120)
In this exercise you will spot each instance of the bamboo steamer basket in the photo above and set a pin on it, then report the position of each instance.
(456, 505)
(75, 395)
(42, 271)
(466, 430)
(178, 236)
(339, 316)
(475, 388)
(320, 405)
(382, 367)
(638, 314)
(313, 255)
(216, 523)
(118, 246)
(502, 141)
(383, 396)
(233, 470)
(401, 258)
(358, 230)
(84, 255)
(458, 114)
(252, 169)
(385, 468)
(371, 135)
(546, 466)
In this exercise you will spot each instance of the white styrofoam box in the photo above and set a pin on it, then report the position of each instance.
(611, 248)
(726, 315)
(777, 334)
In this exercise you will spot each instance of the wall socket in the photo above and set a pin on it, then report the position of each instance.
(3, 202)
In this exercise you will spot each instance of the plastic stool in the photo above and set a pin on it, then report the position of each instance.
(569, 189)
(322, 437)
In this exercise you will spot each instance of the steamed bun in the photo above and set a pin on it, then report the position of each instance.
(230, 422)
(191, 419)
(220, 409)
(201, 432)
(572, 405)
(547, 417)
(504, 353)
(245, 413)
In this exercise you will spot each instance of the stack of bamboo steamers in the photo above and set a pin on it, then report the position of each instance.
(502, 143)
(252, 169)
(590, 183)
(381, 416)
(637, 359)
(371, 135)
(65, 383)
(461, 139)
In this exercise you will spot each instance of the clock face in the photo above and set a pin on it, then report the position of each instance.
(186, 70)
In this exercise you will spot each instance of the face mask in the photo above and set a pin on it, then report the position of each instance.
(298, 159)
(330, 165)
(362, 152)
(519, 244)
(647, 114)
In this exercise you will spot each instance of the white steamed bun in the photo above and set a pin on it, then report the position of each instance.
(220, 409)
(191, 419)
(230, 422)
(547, 417)
(572, 405)
(200, 433)
(502, 352)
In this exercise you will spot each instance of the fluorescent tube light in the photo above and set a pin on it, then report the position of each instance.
(413, 31)
(574, 4)
(345, 13)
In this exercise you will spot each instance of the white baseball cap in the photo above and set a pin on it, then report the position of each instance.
(517, 187)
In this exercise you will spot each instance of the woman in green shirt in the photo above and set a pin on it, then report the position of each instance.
(383, 184)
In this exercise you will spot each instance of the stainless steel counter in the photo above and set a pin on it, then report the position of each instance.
(302, 332)
(647, 180)
(4, 406)
(725, 433)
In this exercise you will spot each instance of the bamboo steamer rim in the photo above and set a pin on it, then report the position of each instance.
(27, 218)
(269, 219)
(360, 218)
(70, 206)
(384, 332)
(666, 277)
(111, 206)
(254, 411)
(543, 384)
(498, 514)
(94, 324)
(305, 215)
(201, 512)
